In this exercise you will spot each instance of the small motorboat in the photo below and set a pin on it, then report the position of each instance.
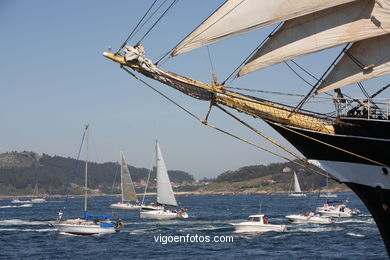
(310, 218)
(257, 223)
(336, 210)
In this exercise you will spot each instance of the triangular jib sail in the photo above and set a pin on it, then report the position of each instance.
(128, 191)
(164, 189)
(297, 188)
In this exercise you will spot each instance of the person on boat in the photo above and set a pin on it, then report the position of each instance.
(265, 220)
(59, 216)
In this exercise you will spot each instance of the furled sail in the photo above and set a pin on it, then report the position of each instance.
(236, 17)
(321, 30)
(364, 60)
(297, 188)
(128, 191)
(164, 189)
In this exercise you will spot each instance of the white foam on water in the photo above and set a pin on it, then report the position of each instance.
(355, 234)
(367, 221)
(16, 206)
(316, 229)
(20, 222)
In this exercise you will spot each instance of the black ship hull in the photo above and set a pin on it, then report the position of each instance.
(356, 155)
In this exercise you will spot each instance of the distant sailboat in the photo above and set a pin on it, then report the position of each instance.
(89, 224)
(127, 188)
(36, 198)
(328, 194)
(297, 188)
(165, 196)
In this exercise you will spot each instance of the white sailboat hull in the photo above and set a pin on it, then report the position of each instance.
(126, 206)
(38, 200)
(328, 195)
(297, 195)
(309, 220)
(248, 227)
(162, 214)
(83, 228)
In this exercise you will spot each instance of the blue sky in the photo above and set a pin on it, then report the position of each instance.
(54, 79)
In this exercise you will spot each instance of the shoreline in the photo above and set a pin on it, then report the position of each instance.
(180, 193)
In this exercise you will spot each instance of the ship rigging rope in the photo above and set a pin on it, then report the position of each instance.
(250, 55)
(304, 161)
(322, 142)
(138, 25)
(158, 20)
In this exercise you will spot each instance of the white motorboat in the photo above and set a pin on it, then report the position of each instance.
(310, 218)
(328, 195)
(89, 224)
(336, 210)
(165, 195)
(129, 196)
(257, 223)
(297, 188)
(38, 200)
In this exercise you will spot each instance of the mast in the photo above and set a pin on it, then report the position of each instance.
(86, 170)
(121, 163)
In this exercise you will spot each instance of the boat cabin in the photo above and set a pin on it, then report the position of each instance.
(261, 219)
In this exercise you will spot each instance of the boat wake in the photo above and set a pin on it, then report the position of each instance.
(316, 229)
(16, 206)
(20, 222)
(354, 234)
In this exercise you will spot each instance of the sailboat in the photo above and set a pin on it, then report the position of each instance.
(128, 192)
(36, 198)
(350, 143)
(297, 188)
(328, 194)
(90, 224)
(165, 196)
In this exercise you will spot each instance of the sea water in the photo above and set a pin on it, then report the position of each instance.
(25, 232)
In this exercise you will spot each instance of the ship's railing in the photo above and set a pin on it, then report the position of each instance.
(368, 108)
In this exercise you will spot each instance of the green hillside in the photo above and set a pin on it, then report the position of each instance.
(19, 172)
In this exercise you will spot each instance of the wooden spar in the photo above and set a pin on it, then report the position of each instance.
(241, 103)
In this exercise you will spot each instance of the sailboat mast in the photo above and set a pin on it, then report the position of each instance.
(121, 163)
(86, 171)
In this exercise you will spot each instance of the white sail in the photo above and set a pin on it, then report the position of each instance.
(324, 29)
(236, 17)
(297, 188)
(364, 60)
(164, 189)
(128, 191)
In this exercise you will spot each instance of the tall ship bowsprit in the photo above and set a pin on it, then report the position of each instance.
(350, 144)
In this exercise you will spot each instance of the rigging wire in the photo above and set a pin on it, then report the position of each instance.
(113, 183)
(147, 181)
(158, 20)
(170, 52)
(135, 28)
(210, 60)
(74, 171)
(308, 95)
(250, 55)
(302, 164)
